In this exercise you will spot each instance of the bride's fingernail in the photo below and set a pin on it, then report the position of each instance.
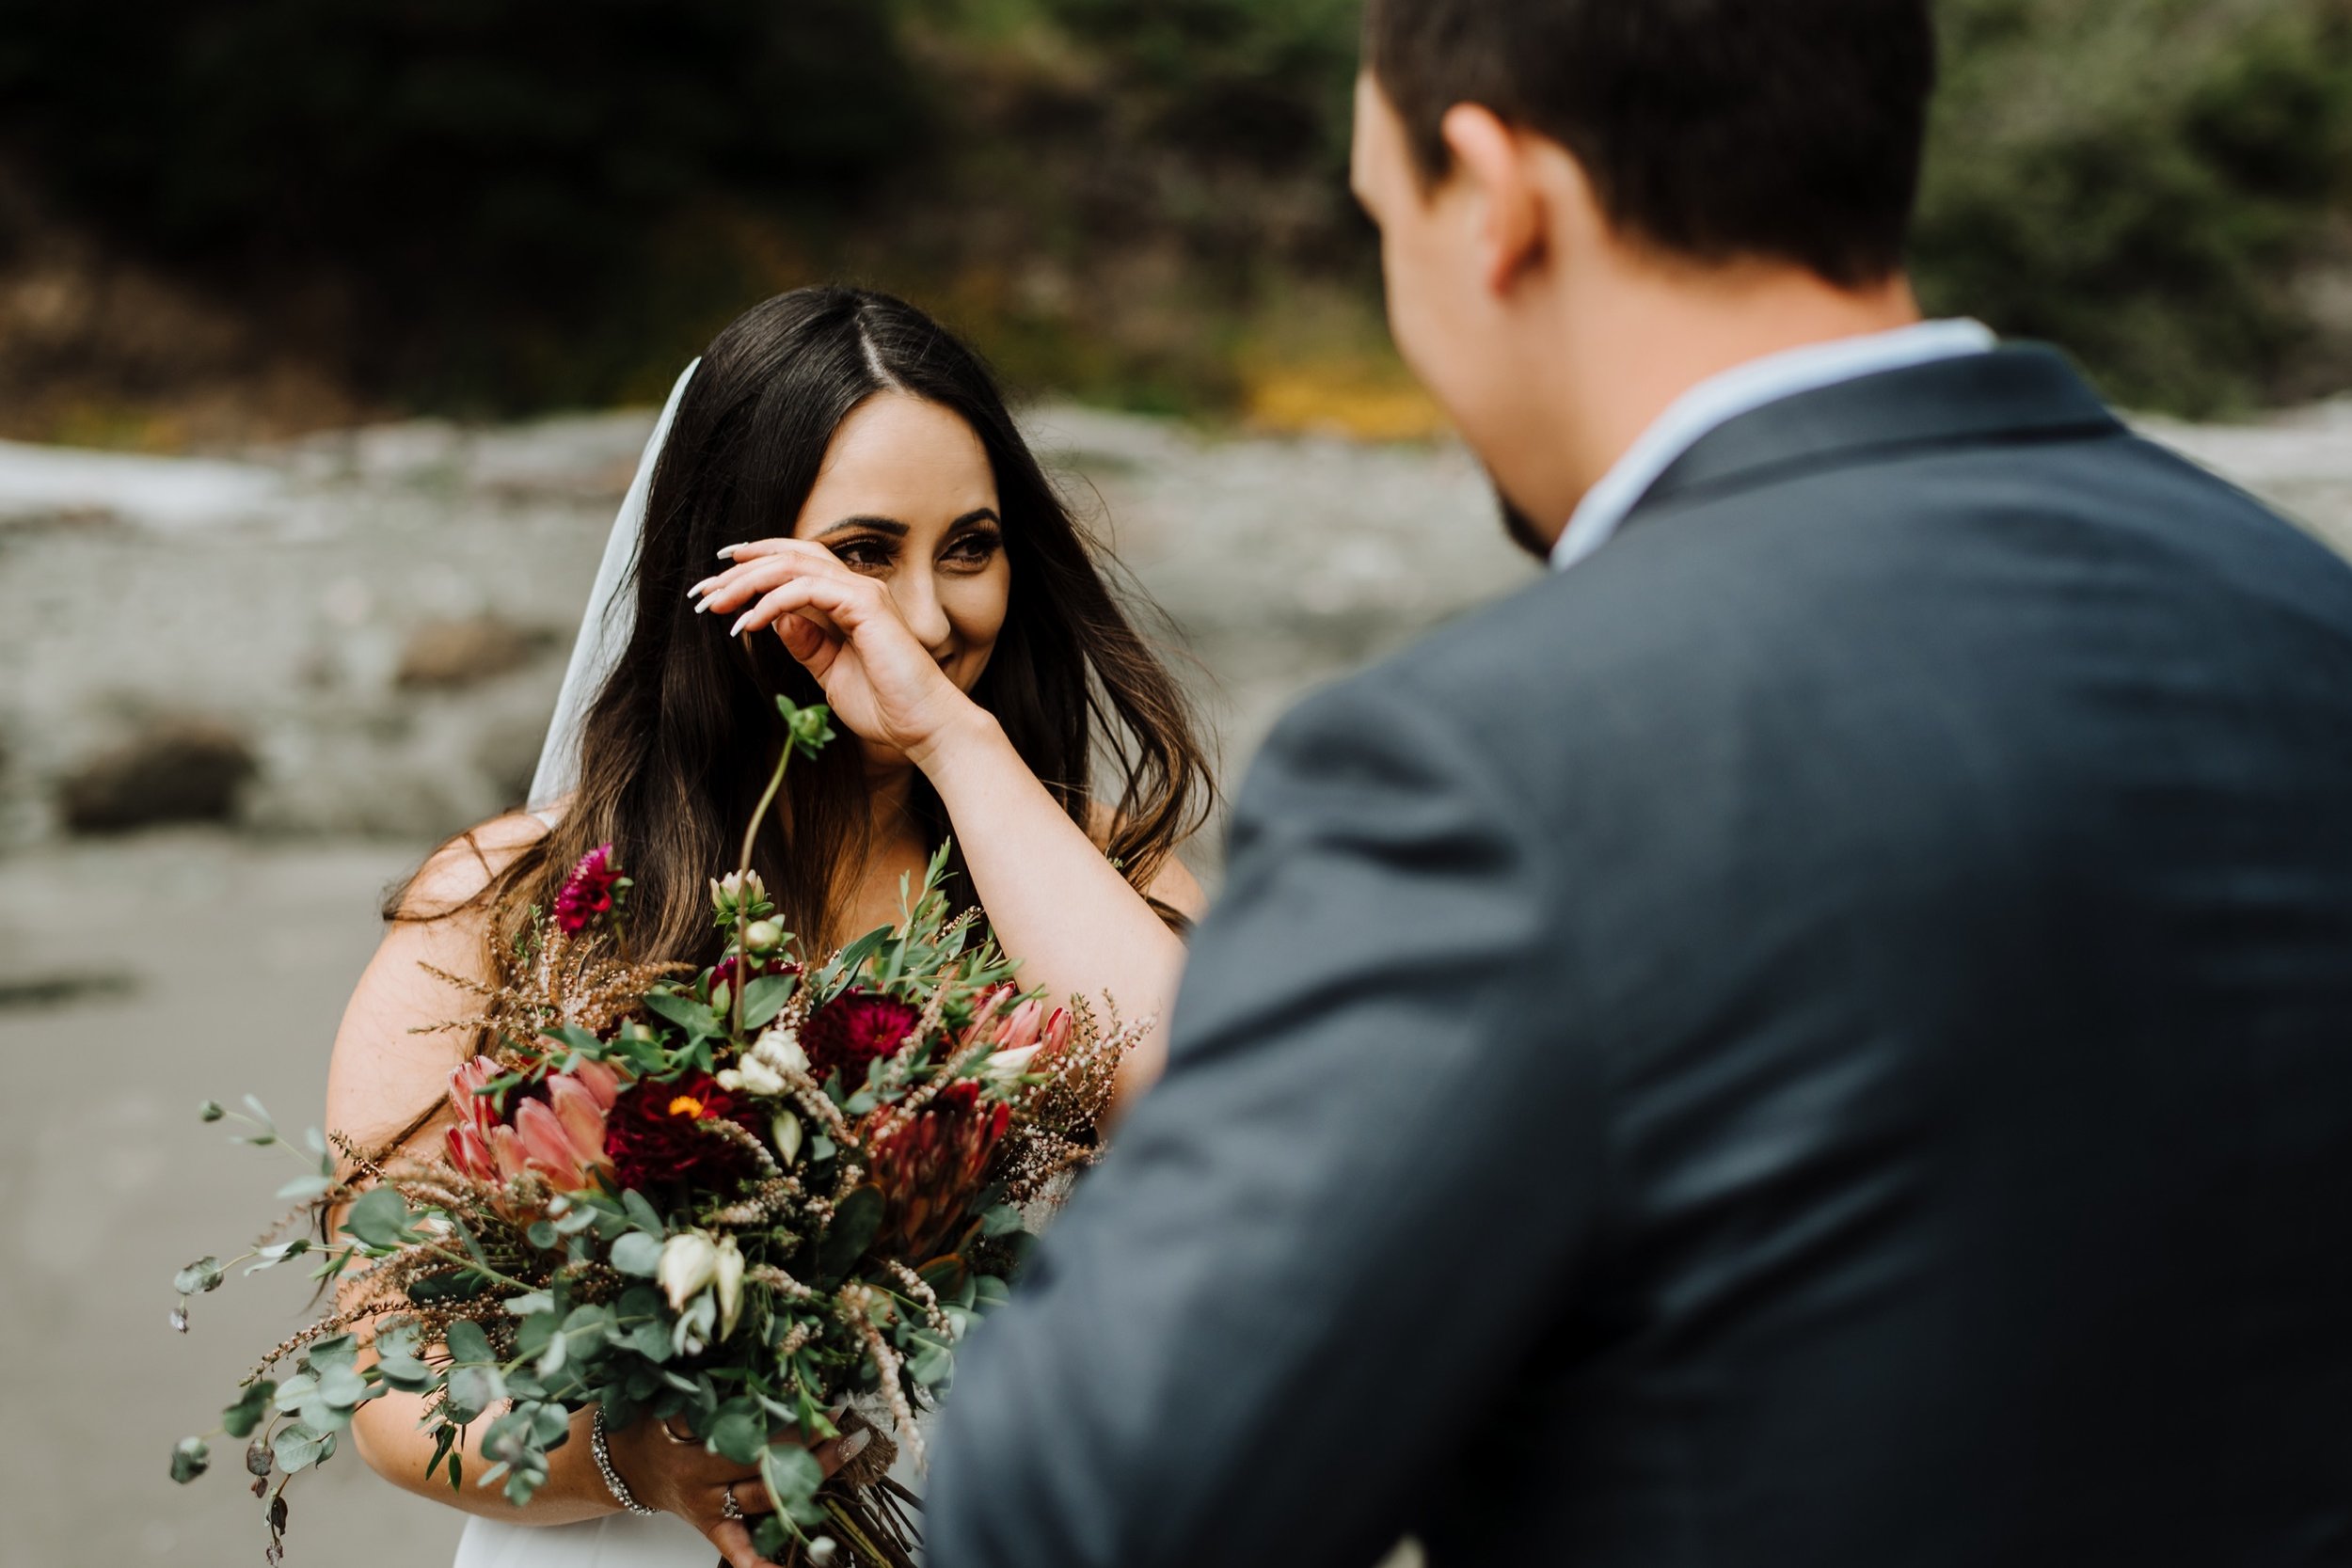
(855, 1445)
(728, 553)
(737, 629)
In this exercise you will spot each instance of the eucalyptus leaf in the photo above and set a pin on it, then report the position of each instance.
(793, 1476)
(1003, 1220)
(651, 1340)
(297, 1448)
(467, 1343)
(197, 1278)
(340, 1350)
(637, 1254)
(380, 1218)
(934, 1366)
(473, 1390)
(641, 1211)
(530, 1303)
(253, 1402)
(190, 1458)
(740, 1432)
(343, 1387)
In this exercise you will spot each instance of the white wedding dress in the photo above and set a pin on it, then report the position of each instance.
(617, 1541)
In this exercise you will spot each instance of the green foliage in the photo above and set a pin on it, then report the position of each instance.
(2137, 180)
(1247, 79)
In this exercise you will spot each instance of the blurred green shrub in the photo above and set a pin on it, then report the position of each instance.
(484, 174)
(2139, 180)
(1266, 81)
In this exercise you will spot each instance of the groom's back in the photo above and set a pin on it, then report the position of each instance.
(1952, 799)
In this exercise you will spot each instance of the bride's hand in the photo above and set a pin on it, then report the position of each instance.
(845, 630)
(678, 1475)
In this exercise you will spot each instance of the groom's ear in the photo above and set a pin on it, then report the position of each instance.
(1522, 188)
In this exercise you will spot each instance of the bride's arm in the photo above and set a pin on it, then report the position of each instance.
(1054, 900)
(384, 1077)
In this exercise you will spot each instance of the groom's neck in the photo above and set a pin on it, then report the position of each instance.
(1629, 345)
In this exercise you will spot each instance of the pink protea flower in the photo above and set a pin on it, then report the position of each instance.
(929, 1164)
(561, 1137)
(1025, 1026)
(587, 894)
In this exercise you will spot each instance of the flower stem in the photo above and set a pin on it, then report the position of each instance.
(743, 869)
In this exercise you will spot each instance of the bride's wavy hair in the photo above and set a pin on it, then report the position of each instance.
(679, 744)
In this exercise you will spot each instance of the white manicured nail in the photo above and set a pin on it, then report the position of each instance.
(854, 1444)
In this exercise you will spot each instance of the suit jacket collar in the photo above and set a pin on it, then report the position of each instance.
(2021, 392)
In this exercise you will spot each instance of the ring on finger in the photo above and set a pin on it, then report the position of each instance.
(730, 1508)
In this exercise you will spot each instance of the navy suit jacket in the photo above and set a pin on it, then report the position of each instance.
(1821, 1039)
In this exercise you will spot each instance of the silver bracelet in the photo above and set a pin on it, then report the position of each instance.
(613, 1482)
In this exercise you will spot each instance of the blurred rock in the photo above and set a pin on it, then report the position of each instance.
(186, 770)
(452, 654)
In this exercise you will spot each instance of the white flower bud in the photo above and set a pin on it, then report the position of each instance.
(728, 1274)
(1004, 1066)
(787, 1128)
(753, 1076)
(729, 893)
(688, 1263)
(780, 1049)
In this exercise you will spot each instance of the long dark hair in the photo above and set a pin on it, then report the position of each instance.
(677, 746)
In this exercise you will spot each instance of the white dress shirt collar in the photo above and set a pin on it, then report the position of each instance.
(1741, 390)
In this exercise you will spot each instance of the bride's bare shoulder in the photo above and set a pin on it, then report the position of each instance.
(454, 875)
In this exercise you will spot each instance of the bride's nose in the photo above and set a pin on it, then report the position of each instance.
(918, 603)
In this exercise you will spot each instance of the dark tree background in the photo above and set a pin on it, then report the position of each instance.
(505, 204)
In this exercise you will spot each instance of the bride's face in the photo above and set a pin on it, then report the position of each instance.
(907, 496)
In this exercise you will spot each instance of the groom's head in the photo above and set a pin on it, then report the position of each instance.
(1625, 189)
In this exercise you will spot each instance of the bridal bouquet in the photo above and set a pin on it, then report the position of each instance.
(766, 1200)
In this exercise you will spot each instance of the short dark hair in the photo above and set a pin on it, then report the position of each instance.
(1714, 128)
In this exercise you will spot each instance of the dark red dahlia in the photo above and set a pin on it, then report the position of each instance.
(655, 1136)
(853, 1029)
(586, 896)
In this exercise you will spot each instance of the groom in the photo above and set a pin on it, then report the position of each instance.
(1820, 1035)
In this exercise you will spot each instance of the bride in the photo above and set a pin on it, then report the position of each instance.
(835, 507)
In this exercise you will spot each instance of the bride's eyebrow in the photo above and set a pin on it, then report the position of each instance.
(891, 526)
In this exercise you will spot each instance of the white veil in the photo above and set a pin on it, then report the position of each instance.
(604, 629)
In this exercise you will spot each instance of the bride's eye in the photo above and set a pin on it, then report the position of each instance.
(974, 550)
(864, 555)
